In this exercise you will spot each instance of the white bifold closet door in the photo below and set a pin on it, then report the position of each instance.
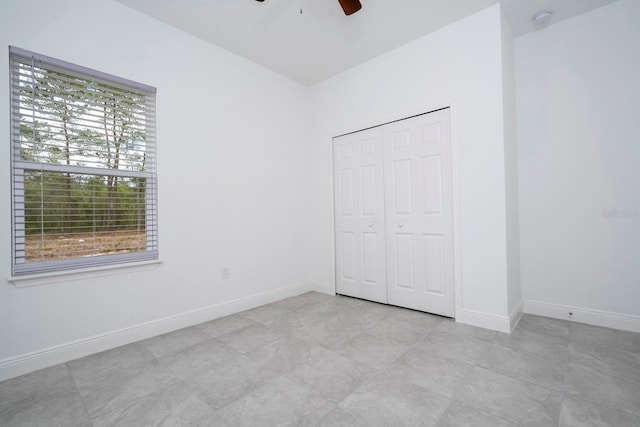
(419, 213)
(359, 215)
(412, 202)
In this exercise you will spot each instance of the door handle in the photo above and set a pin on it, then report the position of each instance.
(370, 225)
(400, 225)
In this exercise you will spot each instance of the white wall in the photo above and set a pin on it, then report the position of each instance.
(579, 154)
(459, 65)
(230, 164)
(245, 154)
(511, 171)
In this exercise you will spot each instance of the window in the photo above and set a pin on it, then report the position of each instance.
(83, 167)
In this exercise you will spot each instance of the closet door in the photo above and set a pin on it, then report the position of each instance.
(359, 215)
(419, 213)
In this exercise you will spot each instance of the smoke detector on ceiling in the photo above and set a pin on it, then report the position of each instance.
(542, 18)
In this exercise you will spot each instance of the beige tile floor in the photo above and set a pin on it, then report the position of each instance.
(319, 360)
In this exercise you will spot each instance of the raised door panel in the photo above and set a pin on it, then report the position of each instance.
(348, 256)
(434, 263)
(404, 262)
(432, 184)
(369, 191)
(402, 187)
(347, 192)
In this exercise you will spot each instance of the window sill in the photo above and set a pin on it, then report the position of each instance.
(29, 280)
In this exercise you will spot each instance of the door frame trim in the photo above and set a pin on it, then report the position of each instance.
(457, 258)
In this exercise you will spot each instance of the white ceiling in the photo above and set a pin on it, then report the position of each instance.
(321, 41)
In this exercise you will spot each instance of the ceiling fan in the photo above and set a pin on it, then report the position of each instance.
(349, 6)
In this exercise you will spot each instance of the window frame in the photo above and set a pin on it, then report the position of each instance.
(20, 267)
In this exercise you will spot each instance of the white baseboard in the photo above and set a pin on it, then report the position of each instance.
(323, 287)
(25, 363)
(484, 320)
(516, 315)
(625, 322)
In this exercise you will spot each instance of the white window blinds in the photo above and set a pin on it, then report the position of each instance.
(83, 157)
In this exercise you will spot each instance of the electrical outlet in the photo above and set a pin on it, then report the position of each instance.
(226, 273)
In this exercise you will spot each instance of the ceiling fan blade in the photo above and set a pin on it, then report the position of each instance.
(350, 6)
